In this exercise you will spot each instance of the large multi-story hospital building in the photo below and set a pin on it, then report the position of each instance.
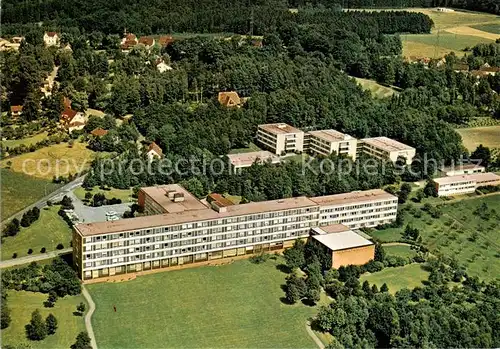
(179, 229)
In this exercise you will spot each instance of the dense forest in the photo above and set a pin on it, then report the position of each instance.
(205, 16)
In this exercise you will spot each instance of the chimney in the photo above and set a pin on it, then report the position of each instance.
(218, 207)
(170, 193)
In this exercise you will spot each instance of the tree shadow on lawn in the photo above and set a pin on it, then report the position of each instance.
(283, 268)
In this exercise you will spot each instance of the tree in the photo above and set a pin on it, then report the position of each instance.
(51, 324)
(51, 299)
(430, 189)
(5, 318)
(36, 329)
(294, 256)
(483, 154)
(295, 288)
(82, 341)
(81, 308)
(404, 192)
(384, 288)
(379, 253)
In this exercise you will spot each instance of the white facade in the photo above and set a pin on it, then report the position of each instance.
(163, 67)
(465, 184)
(386, 149)
(281, 138)
(462, 170)
(191, 233)
(51, 39)
(326, 142)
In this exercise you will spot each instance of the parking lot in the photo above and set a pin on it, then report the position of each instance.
(87, 214)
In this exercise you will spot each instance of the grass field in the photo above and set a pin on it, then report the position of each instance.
(490, 28)
(457, 30)
(19, 191)
(377, 90)
(474, 241)
(124, 194)
(400, 250)
(23, 303)
(487, 136)
(55, 160)
(409, 276)
(48, 231)
(232, 306)
(251, 148)
(26, 141)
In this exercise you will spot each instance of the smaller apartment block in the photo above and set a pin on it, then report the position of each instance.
(358, 209)
(464, 184)
(280, 138)
(326, 142)
(462, 169)
(345, 246)
(386, 149)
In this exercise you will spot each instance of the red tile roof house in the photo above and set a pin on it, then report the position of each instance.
(165, 40)
(16, 110)
(154, 151)
(147, 41)
(128, 41)
(72, 120)
(99, 132)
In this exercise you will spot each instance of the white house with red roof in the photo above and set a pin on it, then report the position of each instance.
(154, 151)
(51, 39)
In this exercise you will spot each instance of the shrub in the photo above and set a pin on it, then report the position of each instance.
(60, 246)
(30, 251)
(14, 255)
(43, 249)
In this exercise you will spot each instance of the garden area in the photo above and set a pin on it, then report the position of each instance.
(466, 229)
(236, 305)
(125, 195)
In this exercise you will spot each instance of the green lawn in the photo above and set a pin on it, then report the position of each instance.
(124, 194)
(251, 148)
(48, 231)
(490, 28)
(377, 90)
(23, 303)
(400, 250)
(26, 141)
(409, 276)
(447, 40)
(19, 191)
(232, 306)
(474, 241)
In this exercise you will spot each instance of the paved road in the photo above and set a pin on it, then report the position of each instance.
(28, 259)
(88, 317)
(43, 201)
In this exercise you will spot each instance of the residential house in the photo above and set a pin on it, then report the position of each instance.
(162, 66)
(128, 41)
(99, 132)
(326, 142)
(165, 40)
(460, 68)
(16, 110)
(71, 119)
(51, 39)
(147, 41)
(230, 99)
(154, 151)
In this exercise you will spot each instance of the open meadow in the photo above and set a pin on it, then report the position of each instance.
(11, 143)
(23, 303)
(409, 276)
(474, 136)
(231, 306)
(19, 191)
(48, 231)
(377, 90)
(472, 237)
(55, 160)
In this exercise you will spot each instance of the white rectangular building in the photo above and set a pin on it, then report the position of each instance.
(465, 184)
(243, 160)
(358, 209)
(183, 230)
(462, 169)
(386, 149)
(326, 142)
(280, 138)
